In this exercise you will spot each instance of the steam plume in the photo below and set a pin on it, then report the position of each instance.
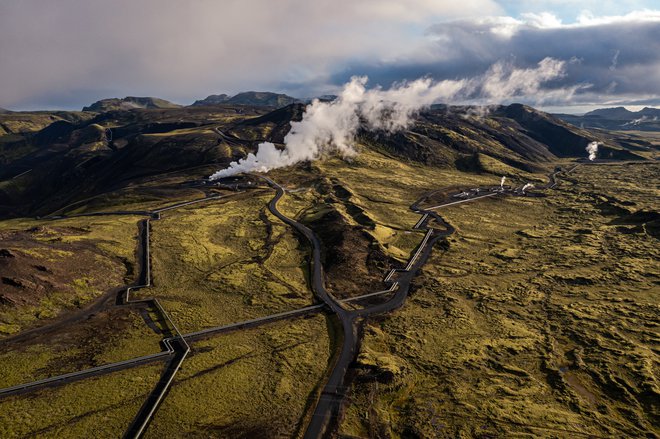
(328, 127)
(527, 186)
(502, 182)
(331, 126)
(592, 149)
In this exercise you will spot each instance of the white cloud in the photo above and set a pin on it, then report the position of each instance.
(607, 58)
(503, 82)
(542, 20)
(588, 18)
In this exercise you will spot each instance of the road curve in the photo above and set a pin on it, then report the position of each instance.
(176, 346)
(329, 403)
(346, 320)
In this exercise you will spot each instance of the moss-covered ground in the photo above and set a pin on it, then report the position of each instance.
(225, 261)
(106, 337)
(102, 406)
(254, 383)
(539, 321)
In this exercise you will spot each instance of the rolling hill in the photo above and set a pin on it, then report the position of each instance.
(74, 157)
(211, 100)
(255, 98)
(129, 103)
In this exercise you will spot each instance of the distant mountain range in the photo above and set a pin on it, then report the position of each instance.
(256, 98)
(253, 98)
(617, 118)
(211, 100)
(129, 103)
(77, 155)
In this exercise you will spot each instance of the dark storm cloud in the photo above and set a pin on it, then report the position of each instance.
(615, 60)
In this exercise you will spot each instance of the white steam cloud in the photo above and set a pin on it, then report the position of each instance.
(592, 149)
(641, 120)
(527, 186)
(330, 127)
(502, 181)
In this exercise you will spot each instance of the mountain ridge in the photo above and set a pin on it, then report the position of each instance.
(616, 118)
(129, 103)
(260, 98)
(73, 158)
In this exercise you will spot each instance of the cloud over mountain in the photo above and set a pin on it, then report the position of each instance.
(77, 51)
(71, 52)
(609, 59)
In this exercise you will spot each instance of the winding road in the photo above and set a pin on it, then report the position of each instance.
(176, 345)
(332, 395)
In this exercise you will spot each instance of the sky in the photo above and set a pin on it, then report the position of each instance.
(70, 53)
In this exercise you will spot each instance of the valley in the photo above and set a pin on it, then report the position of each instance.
(283, 314)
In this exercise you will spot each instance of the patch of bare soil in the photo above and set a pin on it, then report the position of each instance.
(41, 275)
